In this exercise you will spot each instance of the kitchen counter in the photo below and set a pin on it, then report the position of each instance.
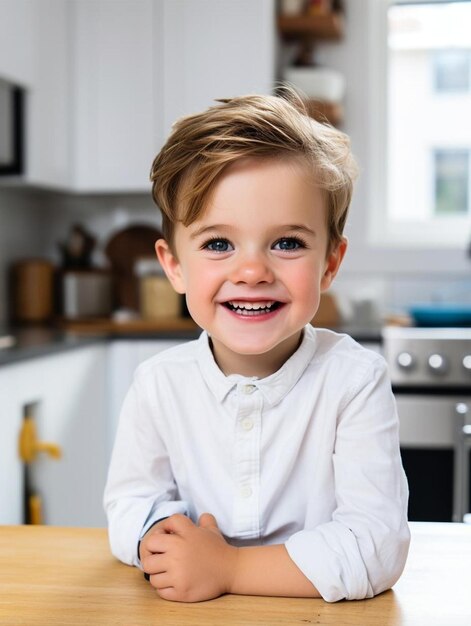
(20, 344)
(67, 576)
(36, 341)
(29, 343)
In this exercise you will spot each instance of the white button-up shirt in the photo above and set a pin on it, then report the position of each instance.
(308, 457)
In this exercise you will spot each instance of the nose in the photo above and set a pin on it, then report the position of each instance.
(252, 269)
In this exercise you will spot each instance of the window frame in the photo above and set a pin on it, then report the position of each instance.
(383, 232)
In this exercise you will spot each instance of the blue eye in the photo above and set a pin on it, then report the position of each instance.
(217, 245)
(289, 244)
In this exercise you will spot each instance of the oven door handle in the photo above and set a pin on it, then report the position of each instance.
(461, 504)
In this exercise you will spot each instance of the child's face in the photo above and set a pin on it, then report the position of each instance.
(254, 264)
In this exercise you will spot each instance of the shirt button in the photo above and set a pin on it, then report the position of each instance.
(245, 491)
(248, 389)
(247, 423)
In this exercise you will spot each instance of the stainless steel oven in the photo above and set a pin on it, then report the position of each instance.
(430, 371)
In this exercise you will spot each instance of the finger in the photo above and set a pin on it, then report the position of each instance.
(155, 564)
(176, 523)
(168, 593)
(160, 581)
(207, 520)
(156, 529)
(160, 543)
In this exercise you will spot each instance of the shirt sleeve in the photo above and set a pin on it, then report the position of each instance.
(363, 549)
(140, 488)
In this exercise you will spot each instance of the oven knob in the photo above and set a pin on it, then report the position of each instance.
(405, 360)
(438, 364)
(467, 362)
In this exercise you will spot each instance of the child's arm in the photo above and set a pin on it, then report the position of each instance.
(140, 488)
(190, 563)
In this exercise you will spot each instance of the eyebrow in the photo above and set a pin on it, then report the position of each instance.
(224, 227)
(205, 229)
(300, 228)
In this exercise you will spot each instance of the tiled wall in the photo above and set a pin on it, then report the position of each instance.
(22, 233)
(383, 295)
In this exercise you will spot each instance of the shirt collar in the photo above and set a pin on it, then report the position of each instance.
(274, 387)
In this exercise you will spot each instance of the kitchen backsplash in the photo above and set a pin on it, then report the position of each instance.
(372, 295)
(32, 223)
(22, 233)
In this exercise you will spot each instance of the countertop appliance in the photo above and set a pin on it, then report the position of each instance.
(430, 371)
(87, 293)
(11, 128)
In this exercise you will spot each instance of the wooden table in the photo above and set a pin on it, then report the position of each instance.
(51, 576)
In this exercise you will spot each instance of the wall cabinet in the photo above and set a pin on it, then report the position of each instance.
(49, 103)
(109, 79)
(91, 115)
(68, 391)
(114, 113)
(17, 37)
(212, 49)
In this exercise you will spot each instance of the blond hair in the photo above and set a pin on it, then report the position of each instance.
(201, 146)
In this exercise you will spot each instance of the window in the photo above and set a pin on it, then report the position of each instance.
(451, 182)
(452, 69)
(422, 177)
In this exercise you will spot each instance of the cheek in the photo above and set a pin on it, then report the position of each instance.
(303, 276)
(202, 280)
(203, 275)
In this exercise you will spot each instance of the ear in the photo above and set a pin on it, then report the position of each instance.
(170, 265)
(332, 264)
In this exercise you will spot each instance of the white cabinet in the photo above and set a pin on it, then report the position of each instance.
(17, 38)
(91, 112)
(35, 53)
(69, 394)
(77, 397)
(11, 468)
(49, 106)
(110, 77)
(137, 65)
(212, 49)
(114, 113)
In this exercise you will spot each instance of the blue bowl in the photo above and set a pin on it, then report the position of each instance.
(441, 315)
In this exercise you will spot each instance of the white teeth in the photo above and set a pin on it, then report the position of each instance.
(251, 306)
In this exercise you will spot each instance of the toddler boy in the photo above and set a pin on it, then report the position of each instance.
(263, 457)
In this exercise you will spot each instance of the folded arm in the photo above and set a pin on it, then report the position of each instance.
(189, 563)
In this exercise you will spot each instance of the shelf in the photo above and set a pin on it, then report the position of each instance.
(131, 327)
(322, 111)
(328, 26)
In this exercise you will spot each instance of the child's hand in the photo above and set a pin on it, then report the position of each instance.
(144, 550)
(188, 563)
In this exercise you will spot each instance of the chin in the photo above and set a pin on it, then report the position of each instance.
(251, 348)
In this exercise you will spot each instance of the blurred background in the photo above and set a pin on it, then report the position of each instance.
(99, 83)
(89, 90)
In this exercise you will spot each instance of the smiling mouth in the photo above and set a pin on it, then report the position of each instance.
(252, 308)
